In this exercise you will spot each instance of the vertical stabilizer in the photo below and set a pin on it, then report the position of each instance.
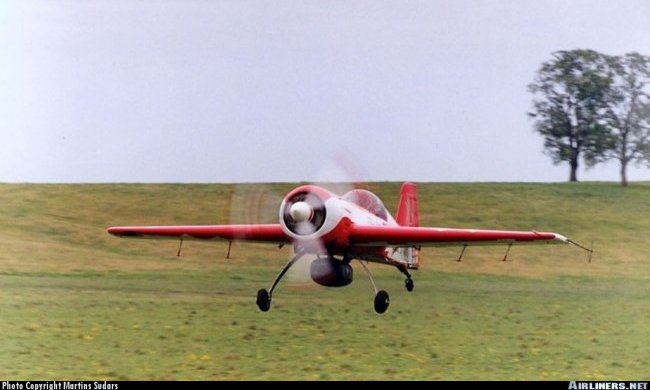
(407, 210)
(408, 215)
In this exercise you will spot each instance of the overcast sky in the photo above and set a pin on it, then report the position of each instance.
(239, 91)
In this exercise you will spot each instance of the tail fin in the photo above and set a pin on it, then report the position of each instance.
(408, 215)
(407, 210)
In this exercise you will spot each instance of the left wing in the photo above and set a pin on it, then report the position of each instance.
(363, 235)
(260, 233)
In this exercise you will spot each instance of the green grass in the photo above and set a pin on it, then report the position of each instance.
(77, 303)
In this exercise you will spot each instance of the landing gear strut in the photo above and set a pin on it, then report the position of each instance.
(382, 300)
(263, 296)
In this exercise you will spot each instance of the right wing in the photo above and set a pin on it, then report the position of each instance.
(259, 233)
(428, 236)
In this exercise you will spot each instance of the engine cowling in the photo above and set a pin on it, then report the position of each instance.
(331, 273)
(305, 213)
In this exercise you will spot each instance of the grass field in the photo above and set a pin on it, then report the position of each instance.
(76, 303)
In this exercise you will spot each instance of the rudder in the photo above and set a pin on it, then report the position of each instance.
(408, 215)
(407, 209)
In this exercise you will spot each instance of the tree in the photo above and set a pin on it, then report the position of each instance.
(571, 95)
(628, 117)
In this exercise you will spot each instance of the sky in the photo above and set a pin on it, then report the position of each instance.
(266, 91)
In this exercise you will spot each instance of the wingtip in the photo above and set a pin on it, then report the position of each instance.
(119, 231)
(561, 238)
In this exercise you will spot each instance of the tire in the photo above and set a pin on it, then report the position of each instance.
(381, 302)
(263, 300)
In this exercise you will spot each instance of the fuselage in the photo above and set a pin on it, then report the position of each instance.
(338, 213)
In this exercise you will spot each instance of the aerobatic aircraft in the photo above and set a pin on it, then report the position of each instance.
(338, 229)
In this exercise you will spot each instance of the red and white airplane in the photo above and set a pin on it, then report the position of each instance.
(338, 229)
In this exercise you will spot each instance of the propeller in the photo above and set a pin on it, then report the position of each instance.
(304, 213)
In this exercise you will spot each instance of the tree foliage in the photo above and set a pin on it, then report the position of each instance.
(593, 106)
(571, 92)
(628, 119)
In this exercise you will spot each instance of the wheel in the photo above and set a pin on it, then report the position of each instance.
(263, 300)
(409, 284)
(381, 301)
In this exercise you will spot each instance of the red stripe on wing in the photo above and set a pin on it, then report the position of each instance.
(406, 236)
(260, 233)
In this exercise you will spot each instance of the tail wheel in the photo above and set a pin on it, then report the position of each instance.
(381, 301)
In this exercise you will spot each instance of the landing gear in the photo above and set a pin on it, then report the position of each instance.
(263, 296)
(381, 301)
(408, 282)
(381, 297)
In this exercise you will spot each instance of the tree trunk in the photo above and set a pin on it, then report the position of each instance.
(624, 173)
(574, 169)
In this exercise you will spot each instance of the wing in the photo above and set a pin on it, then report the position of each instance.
(260, 233)
(427, 236)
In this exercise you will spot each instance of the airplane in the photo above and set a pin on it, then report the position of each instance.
(339, 229)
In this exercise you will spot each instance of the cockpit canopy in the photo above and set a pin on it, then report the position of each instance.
(368, 201)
